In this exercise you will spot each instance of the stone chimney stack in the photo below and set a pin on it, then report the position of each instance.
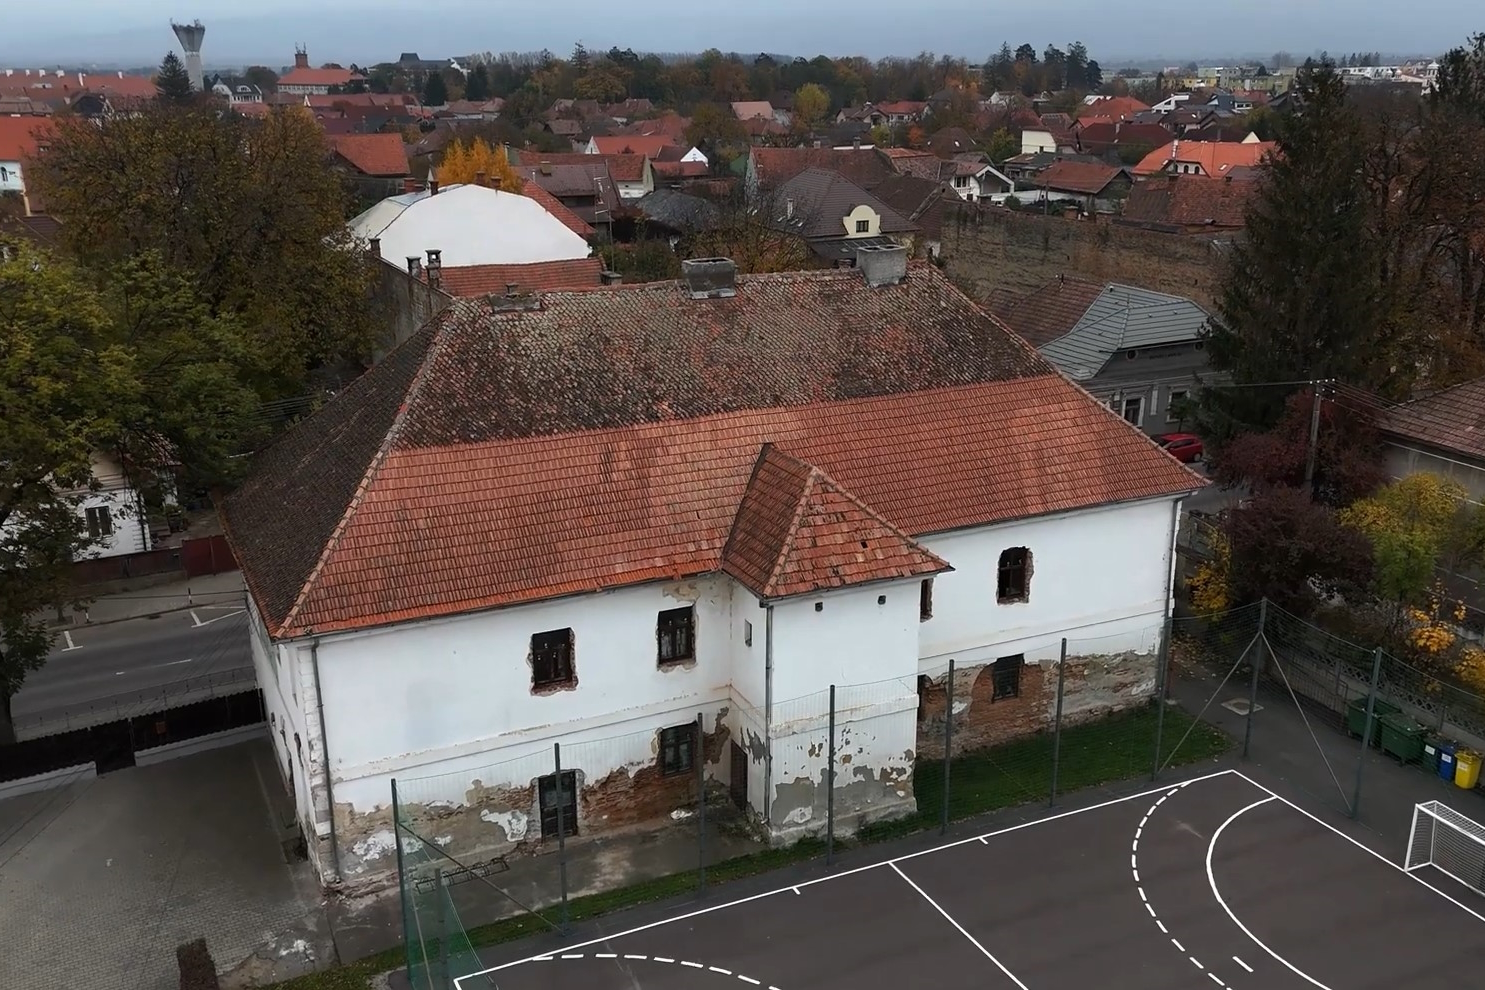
(301, 57)
(376, 247)
(435, 268)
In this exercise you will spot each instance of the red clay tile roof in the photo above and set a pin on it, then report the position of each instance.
(797, 532)
(555, 207)
(1451, 420)
(1079, 177)
(382, 155)
(1215, 157)
(1044, 314)
(1102, 135)
(633, 144)
(1113, 108)
(505, 453)
(539, 276)
(20, 137)
(775, 165)
(680, 170)
(902, 106)
(621, 168)
(1190, 201)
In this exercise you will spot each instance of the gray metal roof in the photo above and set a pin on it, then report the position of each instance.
(1123, 318)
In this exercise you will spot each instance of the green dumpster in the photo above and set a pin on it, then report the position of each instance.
(1356, 716)
(1402, 737)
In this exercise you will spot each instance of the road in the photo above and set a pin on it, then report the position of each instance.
(99, 673)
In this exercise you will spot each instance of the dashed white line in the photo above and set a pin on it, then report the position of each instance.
(1150, 909)
(640, 958)
(1178, 945)
(663, 959)
(659, 959)
(1161, 925)
(605, 955)
(748, 979)
(1195, 963)
(1242, 964)
(692, 964)
(719, 969)
(1217, 979)
(573, 955)
(1143, 897)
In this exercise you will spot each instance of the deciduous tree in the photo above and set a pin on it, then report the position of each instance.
(464, 162)
(1416, 524)
(245, 211)
(1294, 552)
(811, 103)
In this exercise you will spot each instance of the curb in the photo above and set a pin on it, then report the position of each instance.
(60, 626)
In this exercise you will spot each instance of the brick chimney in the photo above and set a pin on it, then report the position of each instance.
(409, 184)
(495, 182)
(435, 268)
(376, 247)
(479, 178)
(301, 58)
(433, 187)
(414, 265)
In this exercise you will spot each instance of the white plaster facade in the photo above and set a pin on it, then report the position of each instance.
(112, 511)
(10, 177)
(447, 708)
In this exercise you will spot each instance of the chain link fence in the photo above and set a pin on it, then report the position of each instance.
(566, 831)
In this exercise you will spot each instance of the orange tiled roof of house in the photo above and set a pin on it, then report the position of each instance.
(538, 276)
(649, 145)
(20, 137)
(680, 170)
(1451, 420)
(1044, 314)
(505, 455)
(902, 106)
(558, 209)
(382, 155)
(1216, 158)
(797, 532)
(862, 166)
(1113, 108)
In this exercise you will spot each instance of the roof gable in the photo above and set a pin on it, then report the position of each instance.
(1080, 177)
(381, 155)
(816, 202)
(1124, 318)
(797, 532)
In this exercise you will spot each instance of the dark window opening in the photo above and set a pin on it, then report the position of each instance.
(551, 799)
(100, 522)
(925, 600)
(551, 658)
(1013, 581)
(863, 226)
(675, 634)
(1006, 675)
(678, 749)
(925, 684)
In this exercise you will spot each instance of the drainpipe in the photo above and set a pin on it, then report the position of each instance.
(768, 714)
(314, 660)
(1170, 588)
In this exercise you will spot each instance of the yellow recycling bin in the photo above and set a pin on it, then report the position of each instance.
(1467, 769)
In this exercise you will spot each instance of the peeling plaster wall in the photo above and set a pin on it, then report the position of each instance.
(286, 717)
(1099, 577)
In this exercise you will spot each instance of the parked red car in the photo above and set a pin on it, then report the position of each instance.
(1184, 447)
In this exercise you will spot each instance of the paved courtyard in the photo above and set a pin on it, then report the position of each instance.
(101, 880)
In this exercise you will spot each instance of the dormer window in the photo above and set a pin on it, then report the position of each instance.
(863, 226)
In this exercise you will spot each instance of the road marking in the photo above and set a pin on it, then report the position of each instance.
(950, 919)
(67, 635)
(663, 959)
(1242, 964)
(1178, 945)
(1217, 979)
(1195, 963)
(605, 955)
(198, 622)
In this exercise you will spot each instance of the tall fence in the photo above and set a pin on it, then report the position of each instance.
(564, 831)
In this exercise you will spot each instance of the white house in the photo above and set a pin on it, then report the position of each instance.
(112, 510)
(588, 517)
(20, 139)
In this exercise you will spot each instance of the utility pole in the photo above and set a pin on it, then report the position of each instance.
(1312, 451)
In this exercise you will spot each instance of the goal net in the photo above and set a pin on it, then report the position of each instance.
(1449, 842)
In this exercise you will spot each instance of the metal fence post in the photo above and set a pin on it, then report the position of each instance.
(1253, 681)
(561, 830)
(943, 823)
(1162, 688)
(1057, 721)
(445, 979)
(699, 755)
(402, 884)
(1366, 733)
(830, 786)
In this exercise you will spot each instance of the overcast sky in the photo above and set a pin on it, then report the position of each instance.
(369, 31)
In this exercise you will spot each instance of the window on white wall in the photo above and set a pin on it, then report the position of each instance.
(747, 633)
(678, 749)
(100, 521)
(925, 600)
(1013, 576)
(1006, 676)
(552, 659)
(675, 635)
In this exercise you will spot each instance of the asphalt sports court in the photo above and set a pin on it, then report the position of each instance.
(1215, 882)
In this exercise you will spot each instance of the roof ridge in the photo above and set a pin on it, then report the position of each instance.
(373, 468)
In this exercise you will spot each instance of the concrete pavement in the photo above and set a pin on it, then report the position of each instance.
(132, 666)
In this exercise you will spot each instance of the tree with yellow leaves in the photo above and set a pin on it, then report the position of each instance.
(463, 163)
(1415, 524)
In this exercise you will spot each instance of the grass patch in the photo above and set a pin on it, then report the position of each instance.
(1121, 747)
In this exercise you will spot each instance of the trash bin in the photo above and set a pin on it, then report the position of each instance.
(1356, 716)
(1401, 737)
(1446, 761)
(1467, 775)
(1431, 746)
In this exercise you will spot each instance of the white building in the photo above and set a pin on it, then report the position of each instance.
(589, 517)
(20, 139)
(111, 509)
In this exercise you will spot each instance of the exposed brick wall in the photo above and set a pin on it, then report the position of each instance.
(990, 248)
(1092, 688)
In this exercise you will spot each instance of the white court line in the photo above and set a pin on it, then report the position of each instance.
(1212, 882)
(67, 635)
(1361, 845)
(1242, 964)
(459, 981)
(950, 919)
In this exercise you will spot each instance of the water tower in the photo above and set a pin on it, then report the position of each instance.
(190, 36)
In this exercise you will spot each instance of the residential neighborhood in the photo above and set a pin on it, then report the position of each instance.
(456, 506)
